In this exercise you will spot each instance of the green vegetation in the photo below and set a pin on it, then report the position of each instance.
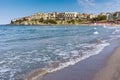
(99, 18)
(50, 21)
(66, 18)
(115, 15)
(41, 20)
(71, 21)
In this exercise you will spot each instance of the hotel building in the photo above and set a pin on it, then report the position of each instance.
(110, 16)
(39, 16)
(53, 15)
(70, 15)
(118, 15)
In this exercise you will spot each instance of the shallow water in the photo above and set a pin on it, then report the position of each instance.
(24, 49)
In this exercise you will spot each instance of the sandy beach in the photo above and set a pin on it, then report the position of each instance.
(104, 66)
(112, 69)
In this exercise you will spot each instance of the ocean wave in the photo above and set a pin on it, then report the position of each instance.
(87, 54)
(96, 33)
(48, 48)
(116, 31)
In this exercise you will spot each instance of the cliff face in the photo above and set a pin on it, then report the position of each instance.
(27, 21)
(39, 22)
(32, 21)
(66, 18)
(47, 19)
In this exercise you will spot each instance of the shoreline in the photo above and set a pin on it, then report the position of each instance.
(111, 71)
(35, 74)
(74, 71)
(67, 25)
(52, 25)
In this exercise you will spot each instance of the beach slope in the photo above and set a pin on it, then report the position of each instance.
(112, 69)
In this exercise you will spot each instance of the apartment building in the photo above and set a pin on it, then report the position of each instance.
(53, 15)
(118, 15)
(70, 15)
(109, 16)
(91, 16)
(39, 16)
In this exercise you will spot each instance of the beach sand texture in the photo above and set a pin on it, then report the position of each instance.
(34, 75)
(112, 69)
(104, 66)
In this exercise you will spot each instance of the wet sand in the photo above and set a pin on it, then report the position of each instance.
(88, 69)
(84, 70)
(36, 75)
(112, 69)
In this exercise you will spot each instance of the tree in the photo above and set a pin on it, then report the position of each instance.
(50, 21)
(99, 18)
(41, 20)
(12, 22)
(115, 15)
(71, 21)
(79, 20)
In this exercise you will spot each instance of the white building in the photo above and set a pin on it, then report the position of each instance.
(110, 16)
(91, 16)
(52, 15)
(61, 16)
(70, 15)
(118, 15)
(39, 16)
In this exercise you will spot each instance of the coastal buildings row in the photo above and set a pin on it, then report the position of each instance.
(59, 16)
(67, 16)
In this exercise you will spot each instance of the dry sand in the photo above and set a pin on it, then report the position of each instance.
(112, 69)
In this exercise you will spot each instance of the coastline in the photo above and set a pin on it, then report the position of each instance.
(112, 69)
(36, 74)
(53, 25)
(83, 70)
(67, 25)
(46, 73)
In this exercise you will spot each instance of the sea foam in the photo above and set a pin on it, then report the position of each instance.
(89, 53)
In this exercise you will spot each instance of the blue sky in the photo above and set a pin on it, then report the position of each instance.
(10, 9)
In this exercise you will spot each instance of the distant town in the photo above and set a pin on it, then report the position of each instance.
(68, 18)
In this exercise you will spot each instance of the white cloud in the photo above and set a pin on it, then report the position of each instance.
(87, 5)
(91, 7)
(114, 5)
(86, 2)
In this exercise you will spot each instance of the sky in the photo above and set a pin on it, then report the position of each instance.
(12, 9)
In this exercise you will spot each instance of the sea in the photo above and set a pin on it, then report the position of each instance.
(24, 49)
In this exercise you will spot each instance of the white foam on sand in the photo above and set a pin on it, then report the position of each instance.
(98, 48)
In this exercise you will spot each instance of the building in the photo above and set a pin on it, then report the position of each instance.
(102, 14)
(79, 16)
(91, 16)
(52, 15)
(67, 16)
(84, 16)
(70, 15)
(61, 16)
(28, 18)
(110, 16)
(39, 16)
(118, 15)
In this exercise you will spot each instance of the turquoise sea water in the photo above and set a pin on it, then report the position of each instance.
(27, 48)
